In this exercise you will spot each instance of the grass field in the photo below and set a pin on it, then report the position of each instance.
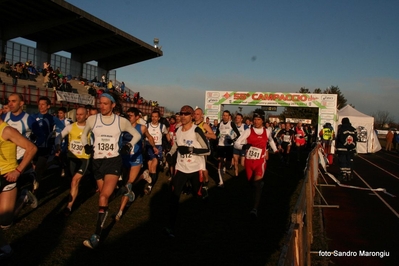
(217, 232)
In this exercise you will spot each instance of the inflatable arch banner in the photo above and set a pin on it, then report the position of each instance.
(326, 103)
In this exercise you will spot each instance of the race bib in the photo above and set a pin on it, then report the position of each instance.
(106, 145)
(76, 147)
(287, 138)
(253, 153)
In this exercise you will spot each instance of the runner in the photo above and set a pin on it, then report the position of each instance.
(156, 130)
(256, 138)
(225, 132)
(42, 129)
(134, 161)
(22, 122)
(239, 154)
(10, 171)
(61, 121)
(78, 160)
(286, 137)
(173, 126)
(300, 140)
(106, 128)
(191, 145)
(208, 132)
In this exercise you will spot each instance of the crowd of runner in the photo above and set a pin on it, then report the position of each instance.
(120, 150)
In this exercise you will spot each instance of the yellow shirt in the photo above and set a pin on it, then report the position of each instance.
(201, 126)
(8, 153)
(76, 149)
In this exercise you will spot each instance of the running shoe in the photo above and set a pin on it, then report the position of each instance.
(204, 192)
(130, 193)
(168, 232)
(67, 211)
(254, 213)
(131, 196)
(148, 189)
(4, 254)
(29, 198)
(93, 242)
(147, 177)
(221, 185)
(118, 216)
(35, 182)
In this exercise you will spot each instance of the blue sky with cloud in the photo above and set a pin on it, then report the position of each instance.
(260, 45)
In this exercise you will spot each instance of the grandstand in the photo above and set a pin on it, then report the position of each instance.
(109, 46)
(32, 90)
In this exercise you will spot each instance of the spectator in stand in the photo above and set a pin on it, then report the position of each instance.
(14, 75)
(19, 68)
(124, 96)
(46, 73)
(110, 86)
(32, 72)
(122, 87)
(103, 81)
(58, 72)
(140, 101)
(389, 139)
(99, 92)
(8, 68)
(136, 97)
(92, 91)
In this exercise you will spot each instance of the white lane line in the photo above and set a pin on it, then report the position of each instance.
(379, 167)
(385, 159)
(389, 206)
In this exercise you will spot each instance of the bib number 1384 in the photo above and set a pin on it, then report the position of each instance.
(105, 146)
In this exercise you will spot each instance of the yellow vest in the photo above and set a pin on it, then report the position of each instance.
(75, 146)
(327, 133)
(201, 126)
(8, 153)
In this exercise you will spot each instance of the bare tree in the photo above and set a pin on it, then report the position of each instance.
(381, 118)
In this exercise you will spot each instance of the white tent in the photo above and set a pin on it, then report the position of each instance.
(367, 138)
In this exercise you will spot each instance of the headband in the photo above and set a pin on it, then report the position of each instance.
(109, 96)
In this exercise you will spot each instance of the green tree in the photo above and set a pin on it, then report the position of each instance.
(341, 100)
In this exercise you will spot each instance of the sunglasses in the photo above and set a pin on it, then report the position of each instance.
(185, 113)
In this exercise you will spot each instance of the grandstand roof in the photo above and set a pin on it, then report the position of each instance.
(56, 25)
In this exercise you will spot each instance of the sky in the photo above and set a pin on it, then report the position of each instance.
(260, 45)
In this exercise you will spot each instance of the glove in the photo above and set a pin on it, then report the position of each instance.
(57, 148)
(126, 149)
(89, 149)
(246, 146)
(185, 150)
